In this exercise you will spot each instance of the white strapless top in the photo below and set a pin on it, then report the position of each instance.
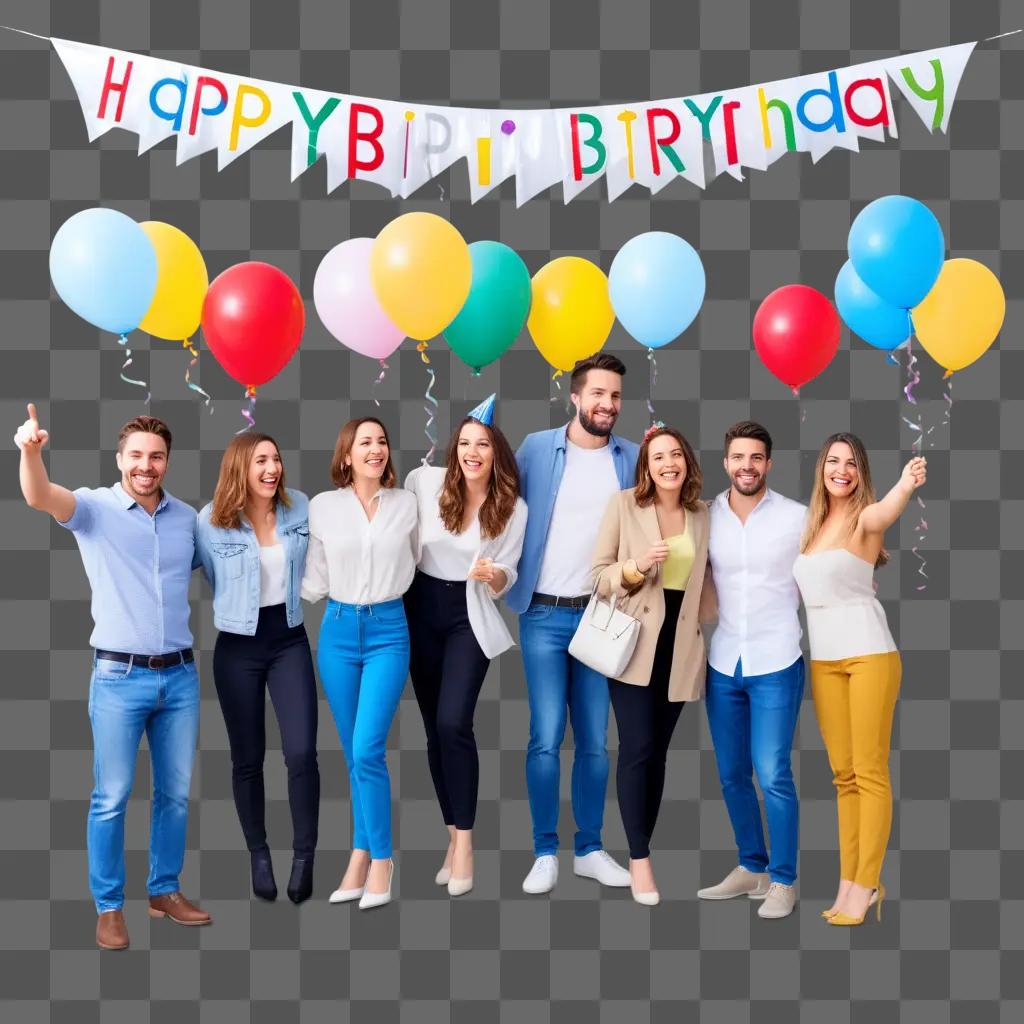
(844, 618)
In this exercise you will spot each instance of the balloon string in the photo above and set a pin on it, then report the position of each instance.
(558, 385)
(249, 412)
(187, 344)
(123, 342)
(432, 404)
(653, 382)
(376, 384)
(947, 394)
(921, 529)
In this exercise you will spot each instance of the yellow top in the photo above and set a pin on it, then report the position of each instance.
(675, 571)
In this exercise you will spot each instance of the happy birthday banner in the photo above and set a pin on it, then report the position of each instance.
(401, 146)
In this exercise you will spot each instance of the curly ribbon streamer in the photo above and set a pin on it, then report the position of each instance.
(249, 413)
(376, 384)
(653, 383)
(191, 349)
(558, 386)
(123, 342)
(803, 411)
(947, 394)
(432, 406)
(921, 529)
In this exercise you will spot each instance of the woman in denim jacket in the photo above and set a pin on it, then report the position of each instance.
(252, 541)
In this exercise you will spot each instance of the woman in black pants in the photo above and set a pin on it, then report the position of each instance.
(252, 541)
(472, 522)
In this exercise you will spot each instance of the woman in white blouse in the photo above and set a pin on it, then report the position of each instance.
(362, 555)
(472, 522)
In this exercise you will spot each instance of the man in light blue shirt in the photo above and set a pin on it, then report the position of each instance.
(138, 548)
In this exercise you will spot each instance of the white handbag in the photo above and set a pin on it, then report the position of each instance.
(605, 638)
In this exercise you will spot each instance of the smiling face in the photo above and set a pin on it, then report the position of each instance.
(369, 453)
(599, 402)
(666, 463)
(475, 451)
(747, 465)
(841, 475)
(143, 464)
(264, 475)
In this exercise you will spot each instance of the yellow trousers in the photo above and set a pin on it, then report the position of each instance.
(854, 700)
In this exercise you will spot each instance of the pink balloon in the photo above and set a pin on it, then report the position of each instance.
(347, 304)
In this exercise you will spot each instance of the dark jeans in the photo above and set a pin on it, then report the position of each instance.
(448, 669)
(646, 720)
(244, 668)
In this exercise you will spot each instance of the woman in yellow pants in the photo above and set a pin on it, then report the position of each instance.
(855, 667)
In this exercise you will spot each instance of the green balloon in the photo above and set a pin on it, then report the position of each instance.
(497, 306)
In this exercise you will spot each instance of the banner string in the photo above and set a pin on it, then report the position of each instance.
(432, 404)
(123, 342)
(376, 384)
(249, 412)
(191, 349)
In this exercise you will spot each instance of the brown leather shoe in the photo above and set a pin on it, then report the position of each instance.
(111, 931)
(178, 909)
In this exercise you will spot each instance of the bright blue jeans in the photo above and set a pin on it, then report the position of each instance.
(125, 701)
(363, 655)
(752, 721)
(556, 684)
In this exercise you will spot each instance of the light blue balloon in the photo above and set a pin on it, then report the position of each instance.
(656, 283)
(897, 249)
(104, 267)
(870, 317)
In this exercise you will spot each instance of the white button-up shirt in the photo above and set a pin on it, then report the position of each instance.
(758, 599)
(358, 560)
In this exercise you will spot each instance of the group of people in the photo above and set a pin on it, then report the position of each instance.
(412, 576)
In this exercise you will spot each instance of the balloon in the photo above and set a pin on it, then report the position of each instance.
(346, 302)
(571, 315)
(897, 249)
(876, 321)
(796, 333)
(104, 267)
(253, 318)
(421, 272)
(656, 284)
(961, 316)
(494, 313)
(181, 283)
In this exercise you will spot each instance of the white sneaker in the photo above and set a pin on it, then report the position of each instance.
(601, 866)
(543, 875)
(780, 901)
(739, 882)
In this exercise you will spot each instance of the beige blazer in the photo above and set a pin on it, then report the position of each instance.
(627, 532)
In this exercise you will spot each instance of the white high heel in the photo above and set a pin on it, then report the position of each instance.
(647, 899)
(459, 886)
(441, 878)
(345, 895)
(370, 900)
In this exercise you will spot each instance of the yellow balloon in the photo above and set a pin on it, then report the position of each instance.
(959, 318)
(571, 314)
(421, 271)
(181, 284)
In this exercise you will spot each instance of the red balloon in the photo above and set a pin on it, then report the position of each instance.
(796, 333)
(252, 320)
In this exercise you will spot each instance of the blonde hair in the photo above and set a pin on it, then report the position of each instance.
(863, 496)
(233, 482)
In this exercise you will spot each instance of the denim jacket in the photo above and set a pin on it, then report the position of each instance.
(230, 560)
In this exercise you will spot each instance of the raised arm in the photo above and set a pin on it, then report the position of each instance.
(877, 518)
(36, 485)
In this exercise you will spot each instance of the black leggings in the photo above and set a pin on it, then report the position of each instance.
(448, 669)
(244, 667)
(646, 720)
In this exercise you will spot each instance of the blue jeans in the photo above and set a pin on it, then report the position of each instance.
(752, 721)
(125, 701)
(555, 683)
(363, 655)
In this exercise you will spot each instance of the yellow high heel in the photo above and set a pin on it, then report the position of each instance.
(846, 919)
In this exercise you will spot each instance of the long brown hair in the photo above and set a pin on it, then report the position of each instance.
(502, 488)
(645, 487)
(863, 496)
(233, 482)
(341, 473)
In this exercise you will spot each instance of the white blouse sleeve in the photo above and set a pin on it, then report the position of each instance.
(509, 547)
(316, 579)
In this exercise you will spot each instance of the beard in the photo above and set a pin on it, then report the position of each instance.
(592, 428)
(749, 490)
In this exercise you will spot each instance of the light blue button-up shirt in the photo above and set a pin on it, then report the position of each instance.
(139, 566)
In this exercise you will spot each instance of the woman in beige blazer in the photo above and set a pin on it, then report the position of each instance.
(651, 554)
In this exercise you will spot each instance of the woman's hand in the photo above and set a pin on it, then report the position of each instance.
(483, 570)
(655, 556)
(914, 474)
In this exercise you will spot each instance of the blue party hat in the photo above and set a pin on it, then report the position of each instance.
(484, 412)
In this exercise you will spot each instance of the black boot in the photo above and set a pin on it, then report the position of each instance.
(263, 884)
(300, 885)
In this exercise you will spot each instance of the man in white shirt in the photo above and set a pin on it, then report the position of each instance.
(755, 680)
